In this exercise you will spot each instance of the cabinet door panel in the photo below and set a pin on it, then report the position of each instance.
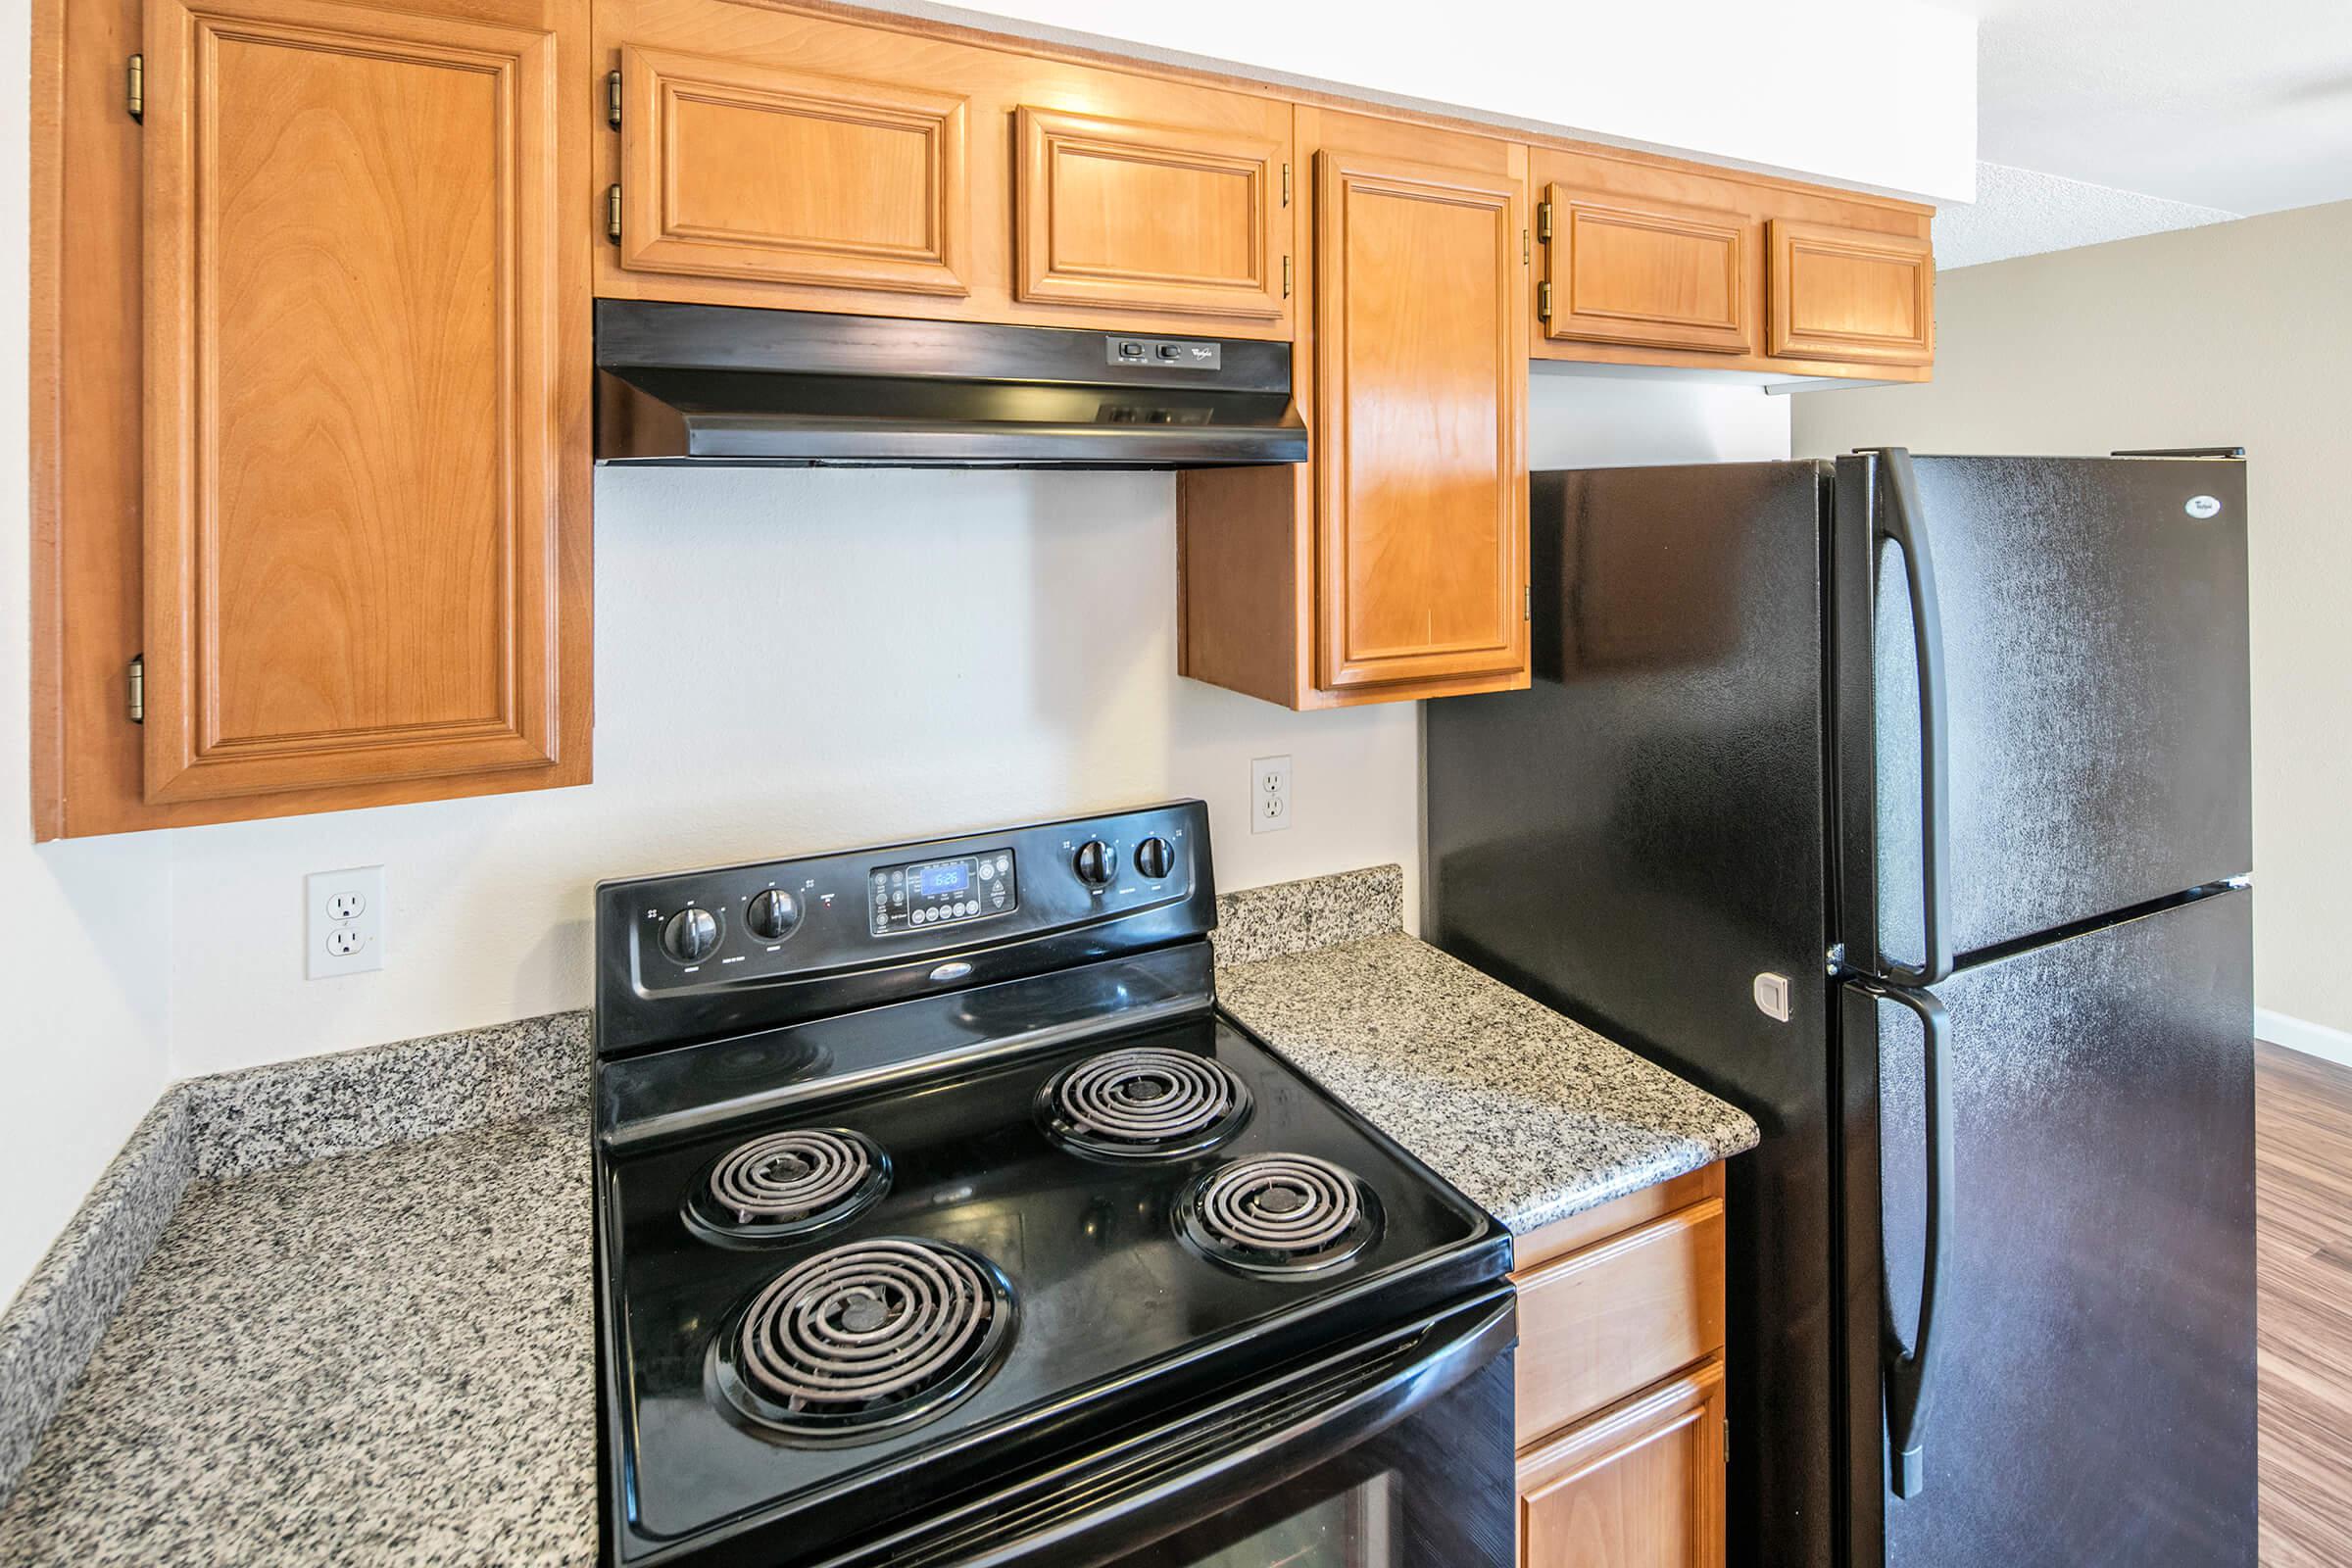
(735, 170)
(1421, 367)
(1600, 1323)
(1115, 213)
(353, 396)
(1654, 274)
(1845, 294)
(1640, 1486)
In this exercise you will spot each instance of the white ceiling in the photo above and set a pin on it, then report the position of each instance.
(2208, 109)
(2019, 212)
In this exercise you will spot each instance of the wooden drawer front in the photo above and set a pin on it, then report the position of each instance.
(1115, 213)
(1598, 1324)
(1421, 365)
(1846, 294)
(734, 170)
(1641, 1487)
(353, 378)
(1657, 277)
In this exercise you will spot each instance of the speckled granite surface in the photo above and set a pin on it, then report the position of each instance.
(1287, 917)
(1532, 1116)
(59, 1317)
(290, 1112)
(386, 1358)
(236, 1123)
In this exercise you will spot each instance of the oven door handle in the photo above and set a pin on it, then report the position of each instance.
(1101, 1506)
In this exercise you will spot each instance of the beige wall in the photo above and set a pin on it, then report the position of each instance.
(2238, 333)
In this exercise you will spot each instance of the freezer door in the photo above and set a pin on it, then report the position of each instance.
(2093, 686)
(2088, 1394)
(1635, 838)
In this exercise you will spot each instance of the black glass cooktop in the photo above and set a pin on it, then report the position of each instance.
(828, 1309)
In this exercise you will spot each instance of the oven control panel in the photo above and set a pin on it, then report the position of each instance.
(735, 935)
(925, 894)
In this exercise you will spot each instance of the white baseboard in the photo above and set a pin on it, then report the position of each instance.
(2311, 1039)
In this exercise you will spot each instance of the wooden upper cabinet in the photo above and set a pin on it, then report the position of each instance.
(356, 391)
(1121, 213)
(1644, 261)
(732, 168)
(1651, 273)
(1640, 1486)
(1851, 295)
(1420, 379)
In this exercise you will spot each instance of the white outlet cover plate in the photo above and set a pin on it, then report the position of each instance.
(343, 922)
(1270, 804)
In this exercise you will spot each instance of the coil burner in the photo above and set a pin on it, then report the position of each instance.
(787, 1184)
(866, 1337)
(1279, 1214)
(1144, 1103)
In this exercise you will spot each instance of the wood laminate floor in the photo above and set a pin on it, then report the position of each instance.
(2303, 1260)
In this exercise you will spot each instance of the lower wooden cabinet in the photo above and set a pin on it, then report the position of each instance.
(1640, 1485)
(1619, 1371)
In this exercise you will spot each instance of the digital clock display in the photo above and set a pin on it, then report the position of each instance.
(953, 877)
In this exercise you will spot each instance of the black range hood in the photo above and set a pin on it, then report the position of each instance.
(729, 386)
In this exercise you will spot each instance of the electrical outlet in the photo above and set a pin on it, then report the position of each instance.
(1269, 794)
(343, 922)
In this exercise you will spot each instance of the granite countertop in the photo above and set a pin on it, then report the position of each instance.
(339, 1310)
(1532, 1116)
(383, 1357)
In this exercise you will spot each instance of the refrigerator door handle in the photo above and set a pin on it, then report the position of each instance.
(1908, 1369)
(1902, 522)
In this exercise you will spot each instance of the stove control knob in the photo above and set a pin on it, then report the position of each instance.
(773, 915)
(1155, 857)
(1096, 863)
(691, 936)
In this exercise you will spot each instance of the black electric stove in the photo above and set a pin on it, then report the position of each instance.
(980, 1236)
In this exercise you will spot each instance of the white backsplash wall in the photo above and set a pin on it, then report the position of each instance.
(789, 661)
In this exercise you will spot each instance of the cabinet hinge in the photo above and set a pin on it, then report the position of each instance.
(1543, 301)
(1285, 277)
(1527, 602)
(1525, 254)
(613, 99)
(1286, 185)
(135, 695)
(612, 214)
(135, 87)
(1544, 221)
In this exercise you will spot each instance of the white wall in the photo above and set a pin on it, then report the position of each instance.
(1865, 92)
(788, 662)
(2232, 334)
(86, 926)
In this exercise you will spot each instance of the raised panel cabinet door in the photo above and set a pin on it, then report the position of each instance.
(734, 170)
(353, 402)
(1421, 375)
(1848, 294)
(1117, 212)
(1640, 1485)
(1649, 274)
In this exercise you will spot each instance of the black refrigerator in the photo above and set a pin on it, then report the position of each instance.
(1904, 803)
